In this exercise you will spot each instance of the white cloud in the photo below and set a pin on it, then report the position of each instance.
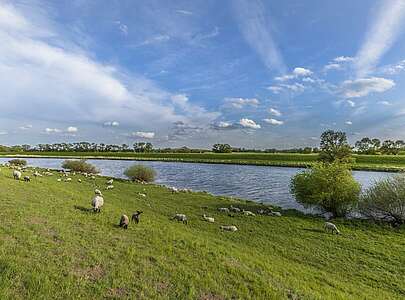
(295, 87)
(184, 12)
(343, 59)
(223, 124)
(394, 69)
(274, 112)
(111, 124)
(72, 129)
(145, 135)
(332, 66)
(25, 127)
(275, 89)
(297, 72)
(381, 35)
(349, 123)
(241, 102)
(249, 123)
(351, 103)
(364, 86)
(386, 103)
(52, 130)
(157, 39)
(257, 31)
(122, 27)
(273, 121)
(3, 132)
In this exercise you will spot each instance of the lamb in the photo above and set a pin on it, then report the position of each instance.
(110, 182)
(27, 179)
(234, 209)
(223, 209)
(332, 227)
(109, 187)
(97, 203)
(16, 175)
(98, 192)
(136, 216)
(208, 219)
(231, 228)
(124, 221)
(248, 213)
(180, 217)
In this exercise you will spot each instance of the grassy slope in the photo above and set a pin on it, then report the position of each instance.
(49, 248)
(363, 162)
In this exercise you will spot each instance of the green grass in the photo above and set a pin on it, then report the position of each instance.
(389, 163)
(52, 247)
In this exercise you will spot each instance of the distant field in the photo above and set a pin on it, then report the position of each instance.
(53, 247)
(363, 162)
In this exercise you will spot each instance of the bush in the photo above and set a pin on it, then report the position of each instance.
(79, 166)
(18, 162)
(140, 173)
(385, 200)
(330, 187)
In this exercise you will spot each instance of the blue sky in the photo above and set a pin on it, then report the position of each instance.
(251, 73)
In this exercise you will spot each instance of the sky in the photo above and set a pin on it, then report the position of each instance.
(251, 73)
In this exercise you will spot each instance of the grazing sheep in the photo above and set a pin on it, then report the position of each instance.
(93, 177)
(124, 221)
(234, 209)
(248, 213)
(59, 179)
(173, 189)
(180, 217)
(275, 213)
(110, 182)
(79, 180)
(109, 187)
(27, 179)
(142, 195)
(98, 192)
(16, 175)
(332, 227)
(208, 219)
(136, 216)
(97, 203)
(229, 228)
(68, 179)
(223, 209)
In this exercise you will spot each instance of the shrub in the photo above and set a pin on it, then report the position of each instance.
(140, 173)
(18, 162)
(79, 166)
(330, 187)
(385, 200)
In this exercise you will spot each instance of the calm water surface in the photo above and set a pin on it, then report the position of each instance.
(258, 183)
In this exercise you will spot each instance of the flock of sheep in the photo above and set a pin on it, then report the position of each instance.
(98, 201)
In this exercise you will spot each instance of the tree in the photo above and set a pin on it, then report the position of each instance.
(366, 146)
(222, 148)
(389, 147)
(329, 186)
(143, 147)
(334, 146)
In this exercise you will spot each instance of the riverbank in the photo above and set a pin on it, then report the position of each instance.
(383, 163)
(51, 246)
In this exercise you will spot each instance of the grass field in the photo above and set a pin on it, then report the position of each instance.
(391, 163)
(51, 246)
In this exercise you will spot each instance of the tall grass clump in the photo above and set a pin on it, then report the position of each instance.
(140, 173)
(18, 162)
(330, 187)
(80, 166)
(385, 200)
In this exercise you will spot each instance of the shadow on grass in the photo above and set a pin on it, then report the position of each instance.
(83, 209)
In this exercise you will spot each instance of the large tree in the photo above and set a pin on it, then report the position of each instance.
(334, 147)
(222, 148)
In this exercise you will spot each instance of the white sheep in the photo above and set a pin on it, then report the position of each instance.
(79, 180)
(142, 195)
(109, 187)
(180, 217)
(59, 179)
(110, 182)
(223, 209)
(332, 227)
(124, 221)
(68, 179)
(229, 228)
(16, 175)
(173, 189)
(234, 209)
(98, 192)
(248, 213)
(275, 213)
(97, 203)
(27, 179)
(208, 219)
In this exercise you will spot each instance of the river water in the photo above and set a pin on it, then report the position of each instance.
(258, 183)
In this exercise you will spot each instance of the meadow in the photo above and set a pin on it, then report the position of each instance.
(389, 163)
(53, 246)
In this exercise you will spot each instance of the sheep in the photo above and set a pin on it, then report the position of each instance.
(142, 195)
(223, 209)
(124, 221)
(234, 209)
(59, 179)
(136, 216)
(79, 180)
(229, 228)
(332, 227)
(27, 179)
(248, 213)
(98, 192)
(173, 189)
(97, 203)
(110, 182)
(109, 187)
(208, 219)
(68, 179)
(93, 177)
(275, 213)
(16, 175)
(180, 217)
